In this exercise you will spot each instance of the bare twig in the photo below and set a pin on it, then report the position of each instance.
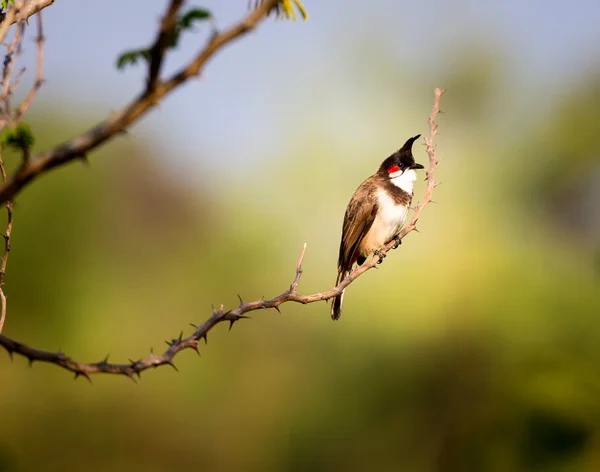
(10, 60)
(4, 258)
(7, 88)
(78, 147)
(9, 18)
(39, 71)
(218, 316)
(28, 9)
(157, 51)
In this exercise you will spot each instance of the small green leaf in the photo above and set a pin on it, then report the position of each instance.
(18, 137)
(184, 22)
(132, 57)
(195, 14)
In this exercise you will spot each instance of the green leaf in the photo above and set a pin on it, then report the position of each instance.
(184, 22)
(18, 137)
(195, 14)
(132, 57)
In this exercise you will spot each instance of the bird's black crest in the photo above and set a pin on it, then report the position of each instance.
(402, 156)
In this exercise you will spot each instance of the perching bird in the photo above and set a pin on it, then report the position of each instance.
(376, 213)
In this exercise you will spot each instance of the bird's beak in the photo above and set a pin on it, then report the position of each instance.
(417, 166)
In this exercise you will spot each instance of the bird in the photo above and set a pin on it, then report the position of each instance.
(376, 213)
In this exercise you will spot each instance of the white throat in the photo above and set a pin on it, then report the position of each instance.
(405, 180)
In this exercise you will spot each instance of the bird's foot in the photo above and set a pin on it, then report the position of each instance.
(397, 242)
(381, 256)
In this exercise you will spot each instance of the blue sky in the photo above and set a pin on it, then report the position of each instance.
(235, 109)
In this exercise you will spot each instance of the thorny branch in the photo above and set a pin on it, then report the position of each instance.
(154, 91)
(176, 345)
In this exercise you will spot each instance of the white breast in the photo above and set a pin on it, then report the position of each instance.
(405, 180)
(387, 224)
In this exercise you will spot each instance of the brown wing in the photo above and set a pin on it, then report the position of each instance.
(358, 219)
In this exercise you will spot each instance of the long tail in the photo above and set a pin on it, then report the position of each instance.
(336, 305)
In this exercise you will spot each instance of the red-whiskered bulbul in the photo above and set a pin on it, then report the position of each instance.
(376, 213)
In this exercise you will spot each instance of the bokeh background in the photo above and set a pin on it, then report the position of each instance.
(475, 347)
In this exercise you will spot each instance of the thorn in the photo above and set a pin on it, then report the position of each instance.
(82, 374)
(432, 201)
(194, 326)
(170, 362)
(194, 345)
(30, 361)
(205, 336)
(130, 375)
(277, 308)
(180, 336)
(237, 318)
(214, 312)
(134, 366)
(416, 229)
(241, 301)
(84, 159)
(104, 361)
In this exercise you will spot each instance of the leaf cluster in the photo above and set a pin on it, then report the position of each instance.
(17, 137)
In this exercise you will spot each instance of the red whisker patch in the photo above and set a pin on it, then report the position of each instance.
(393, 169)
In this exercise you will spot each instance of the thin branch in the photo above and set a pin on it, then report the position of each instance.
(11, 57)
(39, 71)
(10, 17)
(27, 10)
(158, 49)
(79, 146)
(4, 258)
(180, 343)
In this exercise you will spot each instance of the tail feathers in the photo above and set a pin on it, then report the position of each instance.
(336, 305)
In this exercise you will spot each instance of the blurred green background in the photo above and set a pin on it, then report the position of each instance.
(475, 347)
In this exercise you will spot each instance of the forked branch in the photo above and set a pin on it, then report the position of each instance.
(176, 345)
(154, 90)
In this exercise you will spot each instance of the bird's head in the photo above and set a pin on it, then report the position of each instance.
(401, 162)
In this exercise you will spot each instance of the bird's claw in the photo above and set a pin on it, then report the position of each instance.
(397, 242)
(381, 256)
